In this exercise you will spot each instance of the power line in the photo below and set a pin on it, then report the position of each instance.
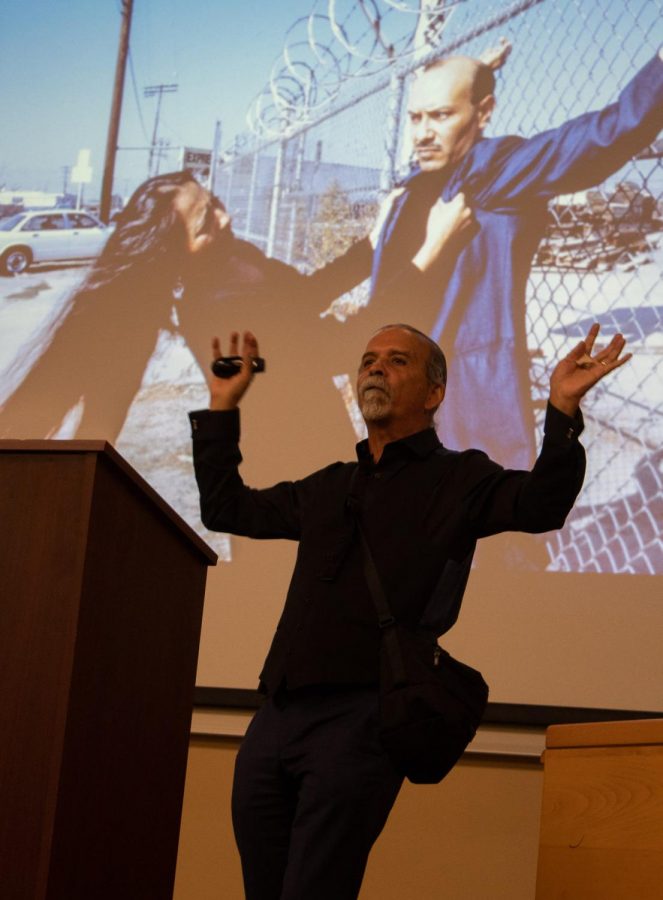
(139, 108)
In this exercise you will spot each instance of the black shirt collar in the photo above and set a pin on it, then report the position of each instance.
(421, 445)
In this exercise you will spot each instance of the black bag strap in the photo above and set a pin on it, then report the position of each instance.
(385, 616)
(386, 619)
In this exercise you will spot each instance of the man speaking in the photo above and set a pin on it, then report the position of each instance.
(313, 784)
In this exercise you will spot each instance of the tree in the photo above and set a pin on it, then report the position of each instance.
(337, 224)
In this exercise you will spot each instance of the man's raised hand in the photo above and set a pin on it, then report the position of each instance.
(495, 57)
(225, 393)
(574, 375)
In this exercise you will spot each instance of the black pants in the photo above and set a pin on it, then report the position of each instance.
(312, 791)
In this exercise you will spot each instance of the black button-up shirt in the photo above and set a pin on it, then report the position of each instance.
(423, 507)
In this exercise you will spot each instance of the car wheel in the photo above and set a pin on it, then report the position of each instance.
(16, 260)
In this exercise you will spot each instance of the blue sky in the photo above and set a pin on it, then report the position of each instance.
(59, 57)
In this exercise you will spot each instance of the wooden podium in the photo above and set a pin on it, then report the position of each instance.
(101, 597)
(602, 817)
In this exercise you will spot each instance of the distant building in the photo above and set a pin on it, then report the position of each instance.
(16, 200)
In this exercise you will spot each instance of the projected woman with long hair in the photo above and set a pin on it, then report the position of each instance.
(88, 364)
(79, 375)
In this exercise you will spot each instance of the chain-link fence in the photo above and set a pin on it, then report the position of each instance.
(306, 194)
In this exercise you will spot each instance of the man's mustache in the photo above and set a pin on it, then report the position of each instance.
(375, 381)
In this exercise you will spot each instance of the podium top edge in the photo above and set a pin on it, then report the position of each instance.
(628, 732)
(54, 445)
(105, 448)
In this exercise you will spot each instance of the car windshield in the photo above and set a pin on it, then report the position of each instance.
(11, 221)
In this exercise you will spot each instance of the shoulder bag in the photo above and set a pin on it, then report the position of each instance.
(430, 703)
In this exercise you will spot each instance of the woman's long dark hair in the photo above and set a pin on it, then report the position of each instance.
(148, 231)
(98, 345)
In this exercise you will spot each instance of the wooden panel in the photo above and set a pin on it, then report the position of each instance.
(630, 876)
(42, 546)
(99, 626)
(111, 457)
(602, 824)
(124, 759)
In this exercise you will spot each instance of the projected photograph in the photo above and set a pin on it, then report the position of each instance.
(303, 132)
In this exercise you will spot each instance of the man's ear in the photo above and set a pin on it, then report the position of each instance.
(485, 110)
(435, 396)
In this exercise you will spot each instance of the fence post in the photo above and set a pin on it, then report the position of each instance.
(252, 190)
(295, 193)
(214, 161)
(394, 106)
(276, 197)
(231, 174)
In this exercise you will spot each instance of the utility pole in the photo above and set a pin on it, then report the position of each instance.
(214, 161)
(150, 91)
(116, 108)
(161, 149)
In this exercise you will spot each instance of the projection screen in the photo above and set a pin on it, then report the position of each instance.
(570, 618)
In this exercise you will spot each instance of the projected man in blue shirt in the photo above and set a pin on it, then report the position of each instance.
(477, 306)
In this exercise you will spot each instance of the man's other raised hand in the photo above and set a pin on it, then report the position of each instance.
(226, 393)
(574, 375)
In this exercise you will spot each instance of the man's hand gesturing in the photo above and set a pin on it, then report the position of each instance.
(574, 375)
(225, 393)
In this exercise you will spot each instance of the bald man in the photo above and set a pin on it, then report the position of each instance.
(475, 304)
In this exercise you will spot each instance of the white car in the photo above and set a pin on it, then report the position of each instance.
(38, 236)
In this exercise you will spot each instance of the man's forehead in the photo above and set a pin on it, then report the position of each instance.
(448, 84)
(395, 340)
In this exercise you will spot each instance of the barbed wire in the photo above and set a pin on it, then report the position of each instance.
(341, 40)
